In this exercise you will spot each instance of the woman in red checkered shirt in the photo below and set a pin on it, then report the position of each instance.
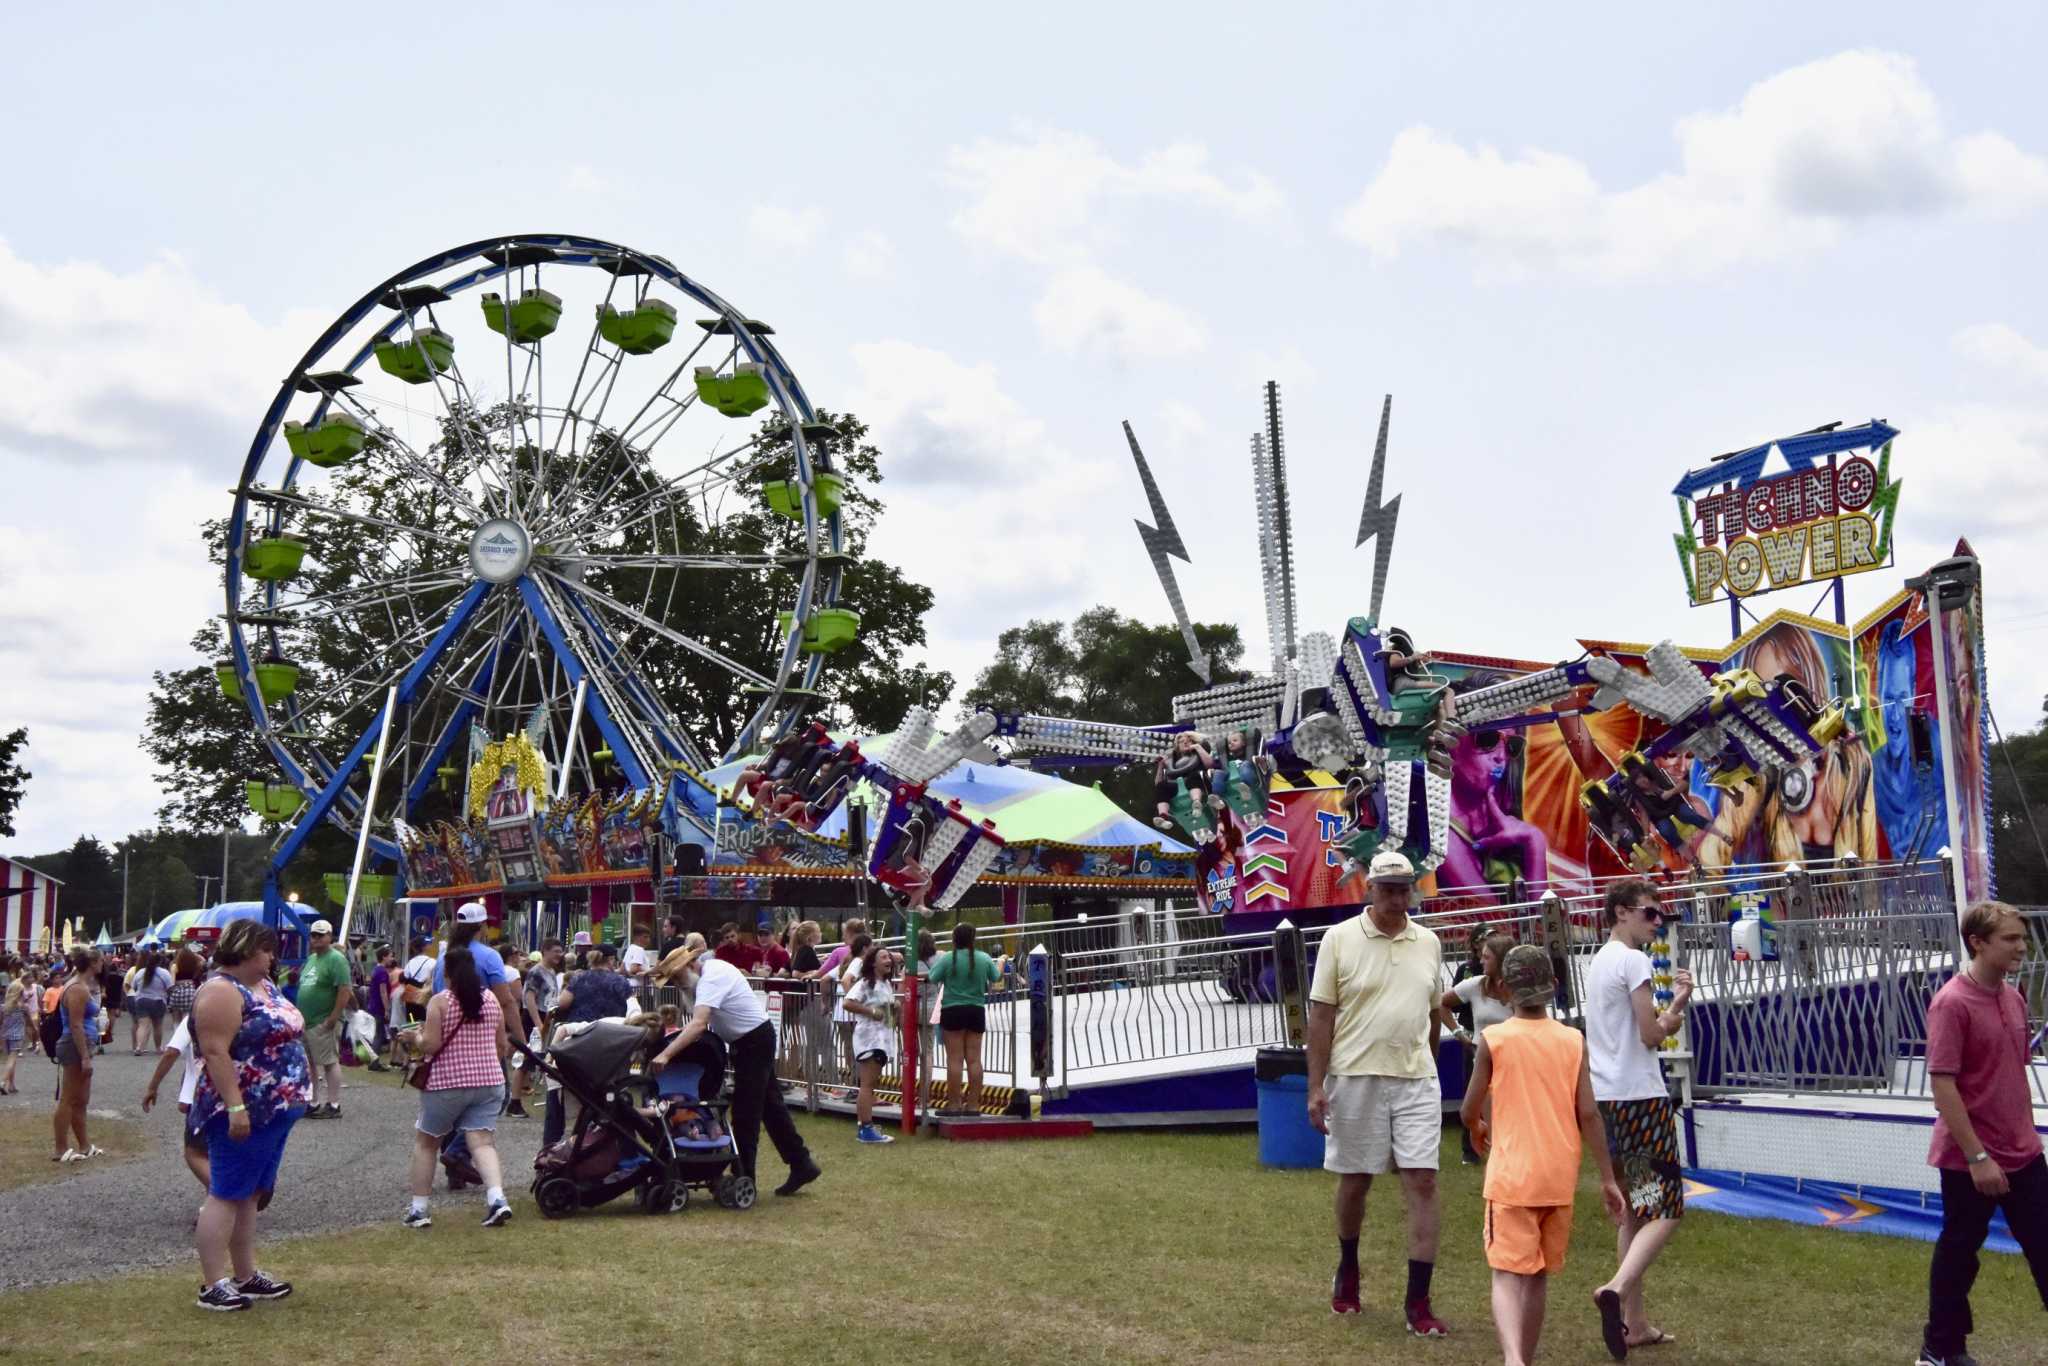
(465, 1044)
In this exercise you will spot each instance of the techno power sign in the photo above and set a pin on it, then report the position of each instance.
(1818, 520)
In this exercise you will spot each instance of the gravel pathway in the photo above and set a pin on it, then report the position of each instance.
(139, 1213)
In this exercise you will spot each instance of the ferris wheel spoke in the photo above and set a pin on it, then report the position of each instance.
(286, 498)
(750, 563)
(631, 669)
(619, 680)
(389, 441)
(666, 632)
(457, 418)
(357, 596)
(664, 392)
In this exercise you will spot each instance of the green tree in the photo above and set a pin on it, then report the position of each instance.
(13, 777)
(1103, 666)
(2019, 814)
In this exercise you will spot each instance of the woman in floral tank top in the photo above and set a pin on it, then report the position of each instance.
(252, 1091)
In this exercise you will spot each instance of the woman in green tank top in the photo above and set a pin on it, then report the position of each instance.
(965, 973)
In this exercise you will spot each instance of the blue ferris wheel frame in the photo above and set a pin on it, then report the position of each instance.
(325, 784)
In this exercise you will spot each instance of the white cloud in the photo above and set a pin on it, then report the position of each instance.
(2002, 348)
(1805, 154)
(1084, 309)
(1040, 196)
(869, 255)
(963, 452)
(127, 400)
(96, 363)
(1057, 201)
(789, 229)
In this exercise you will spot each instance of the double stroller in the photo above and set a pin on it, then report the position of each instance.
(658, 1137)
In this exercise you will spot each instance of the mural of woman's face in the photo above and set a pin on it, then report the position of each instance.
(1480, 759)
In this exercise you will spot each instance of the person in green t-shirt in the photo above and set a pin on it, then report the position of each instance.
(966, 973)
(326, 994)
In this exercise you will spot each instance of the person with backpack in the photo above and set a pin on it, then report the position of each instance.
(966, 974)
(417, 984)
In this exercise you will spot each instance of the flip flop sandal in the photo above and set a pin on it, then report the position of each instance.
(1657, 1338)
(93, 1150)
(1613, 1331)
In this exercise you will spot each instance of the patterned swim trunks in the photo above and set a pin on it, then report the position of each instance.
(1642, 1136)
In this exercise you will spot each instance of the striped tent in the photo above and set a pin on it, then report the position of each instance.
(28, 908)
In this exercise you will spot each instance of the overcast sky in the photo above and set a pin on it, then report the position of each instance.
(1585, 248)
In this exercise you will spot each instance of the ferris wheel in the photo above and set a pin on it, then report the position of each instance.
(463, 514)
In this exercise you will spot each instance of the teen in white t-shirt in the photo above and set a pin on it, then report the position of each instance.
(1623, 1068)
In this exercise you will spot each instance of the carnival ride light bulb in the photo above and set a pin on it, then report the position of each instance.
(1082, 918)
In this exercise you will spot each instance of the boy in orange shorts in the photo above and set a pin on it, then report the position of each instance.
(1534, 1069)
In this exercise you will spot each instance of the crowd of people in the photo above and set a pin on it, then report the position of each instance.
(257, 1058)
(1543, 1095)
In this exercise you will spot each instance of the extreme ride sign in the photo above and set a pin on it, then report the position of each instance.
(1829, 514)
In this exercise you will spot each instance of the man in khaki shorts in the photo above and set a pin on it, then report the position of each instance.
(1372, 1087)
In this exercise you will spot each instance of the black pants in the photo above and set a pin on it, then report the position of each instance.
(1965, 1221)
(757, 1100)
(555, 1120)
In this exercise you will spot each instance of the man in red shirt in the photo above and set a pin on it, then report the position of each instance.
(1984, 1144)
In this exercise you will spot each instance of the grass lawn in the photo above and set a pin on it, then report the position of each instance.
(25, 1147)
(1144, 1248)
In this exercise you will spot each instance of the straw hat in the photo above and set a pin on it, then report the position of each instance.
(671, 968)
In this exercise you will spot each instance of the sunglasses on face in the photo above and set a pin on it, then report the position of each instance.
(1656, 913)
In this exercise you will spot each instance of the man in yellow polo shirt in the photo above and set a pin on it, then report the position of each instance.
(1372, 1087)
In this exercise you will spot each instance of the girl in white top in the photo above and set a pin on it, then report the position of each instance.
(1487, 995)
(869, 1002)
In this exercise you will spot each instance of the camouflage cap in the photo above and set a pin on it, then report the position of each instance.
(1528, 976)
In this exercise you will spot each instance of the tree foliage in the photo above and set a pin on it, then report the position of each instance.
(13, 777)
(1102, 666)
(2019, 809)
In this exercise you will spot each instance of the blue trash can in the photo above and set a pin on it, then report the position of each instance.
(1286, 1138)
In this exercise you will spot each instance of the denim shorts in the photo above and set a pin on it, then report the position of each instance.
(460, 1107)
(240, 1170)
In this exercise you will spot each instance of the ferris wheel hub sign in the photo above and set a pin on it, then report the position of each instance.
(500, 550)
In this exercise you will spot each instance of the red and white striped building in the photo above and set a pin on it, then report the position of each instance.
(28, 907)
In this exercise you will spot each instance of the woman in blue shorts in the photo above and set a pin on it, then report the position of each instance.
(253, 1090)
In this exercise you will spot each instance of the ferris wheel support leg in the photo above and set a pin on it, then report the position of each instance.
(355, 872)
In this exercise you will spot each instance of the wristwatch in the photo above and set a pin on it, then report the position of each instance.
(1981, 1155)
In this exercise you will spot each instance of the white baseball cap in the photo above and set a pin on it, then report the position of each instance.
(471, 913)
(1390, 865)
(320, 927)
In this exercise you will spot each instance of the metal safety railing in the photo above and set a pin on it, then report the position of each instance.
(1181, 1000)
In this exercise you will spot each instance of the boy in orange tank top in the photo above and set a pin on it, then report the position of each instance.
(1543, 1116)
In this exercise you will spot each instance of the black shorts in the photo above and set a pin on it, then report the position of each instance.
(195, 1140)
(963, 1020)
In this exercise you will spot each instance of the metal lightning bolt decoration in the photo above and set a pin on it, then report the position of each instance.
(1378, 520)
(1161, 541)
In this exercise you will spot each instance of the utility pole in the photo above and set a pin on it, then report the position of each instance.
(124, 889)
(225, 836)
